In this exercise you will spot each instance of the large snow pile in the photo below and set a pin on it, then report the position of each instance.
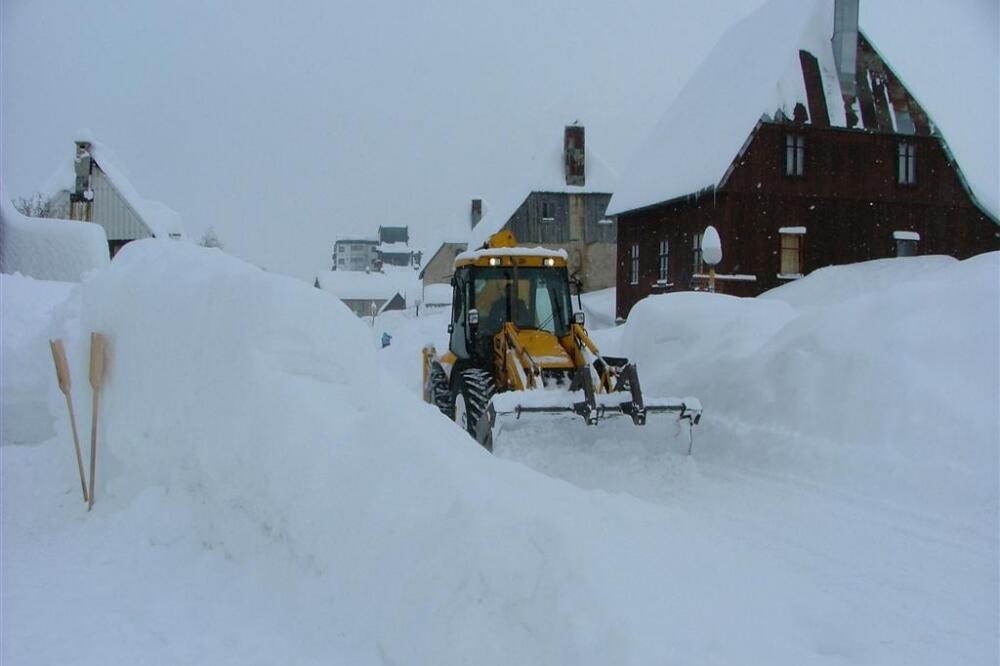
(25, 322)
(48, 249)
(886, 371)
(264, 497)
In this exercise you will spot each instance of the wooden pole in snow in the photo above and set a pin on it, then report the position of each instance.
(96, 378)
(62, 375)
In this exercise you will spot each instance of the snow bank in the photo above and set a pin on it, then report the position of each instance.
(599, 306)
(885, 370)
(26, 370)
(48, 249)
(264, 496)
(256, 476)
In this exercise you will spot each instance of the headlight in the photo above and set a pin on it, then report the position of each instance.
(549, 261)
(494, 261)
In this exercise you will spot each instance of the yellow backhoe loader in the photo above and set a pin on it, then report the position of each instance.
(517, 347)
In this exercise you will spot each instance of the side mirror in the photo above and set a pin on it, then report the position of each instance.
(579, 318)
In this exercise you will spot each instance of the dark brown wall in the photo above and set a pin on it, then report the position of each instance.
(848, 199)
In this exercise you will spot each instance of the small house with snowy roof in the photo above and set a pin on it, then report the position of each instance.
(561, 207)
(800, 144)
(366, 294)
(93, 187)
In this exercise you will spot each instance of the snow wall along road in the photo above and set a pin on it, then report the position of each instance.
(243, 416)
(880, 375)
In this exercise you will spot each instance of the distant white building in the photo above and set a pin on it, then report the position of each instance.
(391, 248)
(355, 254)
(93, 187)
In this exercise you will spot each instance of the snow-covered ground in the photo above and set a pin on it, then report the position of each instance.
(271, 489)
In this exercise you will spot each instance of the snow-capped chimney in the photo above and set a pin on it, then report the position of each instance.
(845, 46)
(82, 166)
(574, 155)
(476, 212)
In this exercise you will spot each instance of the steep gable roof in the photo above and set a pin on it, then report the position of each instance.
(753, 70)
(545, 174)
(161, 220)
(775, 65)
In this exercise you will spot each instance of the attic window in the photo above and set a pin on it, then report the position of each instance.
(907, 164)
(795, 154)
(548, 212)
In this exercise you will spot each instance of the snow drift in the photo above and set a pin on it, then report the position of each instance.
(887, 370)
(264, 496)
(47, 249)
(254, 472)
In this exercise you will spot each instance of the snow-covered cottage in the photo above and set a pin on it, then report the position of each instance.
(366, 294)
(804, 148)
(562, 206)
(440, 267)
(93, 187)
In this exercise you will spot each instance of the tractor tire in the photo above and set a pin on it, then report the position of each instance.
(471, 394)
(440, 392)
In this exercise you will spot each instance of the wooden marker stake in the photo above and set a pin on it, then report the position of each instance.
(62, 375)
(96, 377)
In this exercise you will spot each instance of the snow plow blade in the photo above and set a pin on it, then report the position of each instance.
(599, 408)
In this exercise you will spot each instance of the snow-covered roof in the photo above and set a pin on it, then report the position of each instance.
(753, 70)
(546, 173)
(395, 248)
(437, 294)
(473, 255)
(753, 73)
(361, 285)
(162, 221)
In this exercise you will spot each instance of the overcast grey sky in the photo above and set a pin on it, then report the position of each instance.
(284, 125)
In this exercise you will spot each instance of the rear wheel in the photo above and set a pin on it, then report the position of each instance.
(471, 396)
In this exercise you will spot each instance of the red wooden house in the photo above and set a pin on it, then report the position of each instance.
(799, 143)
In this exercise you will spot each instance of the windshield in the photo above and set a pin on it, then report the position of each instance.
(537, 298)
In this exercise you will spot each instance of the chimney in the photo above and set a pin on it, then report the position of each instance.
(574, 155)
(82, 165)
(477, 212)
(845, 48)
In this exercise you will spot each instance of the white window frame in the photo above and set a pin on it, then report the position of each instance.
(664, 260)
(795, 155)
(785, 234)
(548, 207)
(698, 264)
(906, 165)
(635, 264)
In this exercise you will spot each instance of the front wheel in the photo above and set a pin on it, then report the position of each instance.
(471, 396)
